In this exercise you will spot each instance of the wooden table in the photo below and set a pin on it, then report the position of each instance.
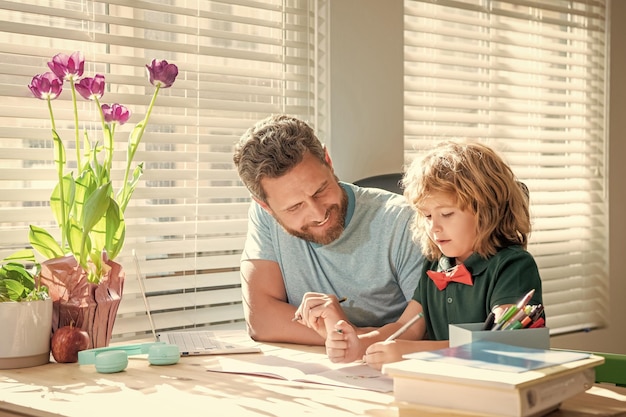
(188, 389)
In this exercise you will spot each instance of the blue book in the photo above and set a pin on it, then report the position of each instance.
(499, 356)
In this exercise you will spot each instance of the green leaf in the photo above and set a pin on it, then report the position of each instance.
(4, 292)
(15, 289)
(100, 173)
(16, 281)
(110, 231)
(18, 272)
(68, 197)
(85, 186)
(95, 273)
(124, 195)
(99, 231)
(59, 149)
(44, 243)
(94, 209)
(96, 206)
(24, 255)
(115, 230)
(79, 245)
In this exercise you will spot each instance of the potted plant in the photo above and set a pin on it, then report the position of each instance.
(84, 281)
(25, 313)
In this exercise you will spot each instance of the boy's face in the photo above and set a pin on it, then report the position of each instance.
(307, 201)
(453, 230)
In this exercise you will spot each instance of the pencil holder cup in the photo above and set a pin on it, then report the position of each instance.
(460, 334)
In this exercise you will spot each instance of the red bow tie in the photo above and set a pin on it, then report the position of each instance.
(458, 273)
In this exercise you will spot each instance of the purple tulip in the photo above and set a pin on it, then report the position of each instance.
(46, 86)
(115, 113)
(68, 67)
(161, 73)
(91, 88)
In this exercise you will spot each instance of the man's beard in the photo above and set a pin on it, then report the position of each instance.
(331, 234)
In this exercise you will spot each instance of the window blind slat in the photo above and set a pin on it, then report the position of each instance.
(215, 317)
(590, 10)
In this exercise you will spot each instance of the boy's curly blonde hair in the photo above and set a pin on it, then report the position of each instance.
(478, 180)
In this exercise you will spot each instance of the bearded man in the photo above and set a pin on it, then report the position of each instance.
(314, 241)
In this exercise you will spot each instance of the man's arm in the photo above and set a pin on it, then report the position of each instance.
(267, 313)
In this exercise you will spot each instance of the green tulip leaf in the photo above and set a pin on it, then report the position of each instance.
(79, 246)
(129, 188)
(96, 206)
(69, 189)
(115, 230)
(24, 255)
(44, 243)
(85, 186)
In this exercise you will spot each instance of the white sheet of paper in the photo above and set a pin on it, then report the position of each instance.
(354, 375)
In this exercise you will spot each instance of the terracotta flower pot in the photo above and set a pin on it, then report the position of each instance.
(91, 307)
(25, 328)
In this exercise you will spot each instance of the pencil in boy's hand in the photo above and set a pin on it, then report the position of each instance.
(299, 317)
(405, 327)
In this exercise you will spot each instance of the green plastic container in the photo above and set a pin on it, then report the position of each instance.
(613, 370)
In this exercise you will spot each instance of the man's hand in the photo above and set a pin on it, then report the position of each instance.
(320, 312)
(268, 314)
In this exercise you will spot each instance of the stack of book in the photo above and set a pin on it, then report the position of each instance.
(489, 379)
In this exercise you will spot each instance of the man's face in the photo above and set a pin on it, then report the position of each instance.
(307, 201)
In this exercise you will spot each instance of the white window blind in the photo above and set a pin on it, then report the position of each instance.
(528, 78)
(238, 61)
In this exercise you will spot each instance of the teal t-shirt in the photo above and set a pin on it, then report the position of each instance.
(501, 279)
(374, 263)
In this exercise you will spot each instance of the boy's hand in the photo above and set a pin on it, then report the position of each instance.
(384, 352)
(342, 343)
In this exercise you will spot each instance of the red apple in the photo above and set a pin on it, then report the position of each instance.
(67, 341)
